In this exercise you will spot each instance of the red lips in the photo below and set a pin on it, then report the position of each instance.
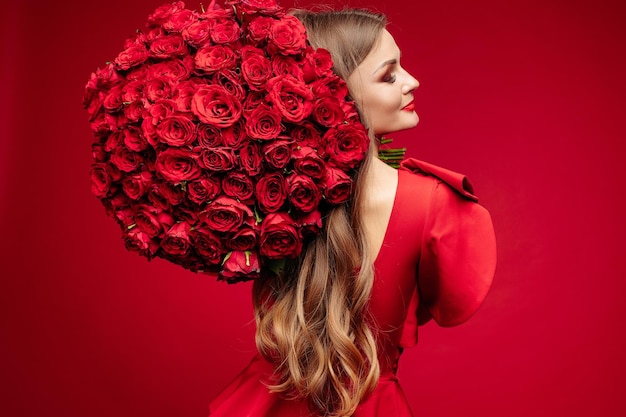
(409, 107)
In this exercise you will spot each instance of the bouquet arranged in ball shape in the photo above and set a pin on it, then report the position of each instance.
(222, 137)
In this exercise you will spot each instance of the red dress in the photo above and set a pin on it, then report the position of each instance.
(437, 261)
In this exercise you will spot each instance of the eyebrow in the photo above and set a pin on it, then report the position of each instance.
(384, 64)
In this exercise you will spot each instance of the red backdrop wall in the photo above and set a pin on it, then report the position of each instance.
(526, 97)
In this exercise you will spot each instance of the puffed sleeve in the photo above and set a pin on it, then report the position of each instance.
(458, 257)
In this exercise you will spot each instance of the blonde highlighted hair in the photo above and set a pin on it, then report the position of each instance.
(312, 320)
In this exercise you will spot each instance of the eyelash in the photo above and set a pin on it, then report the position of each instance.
(389, 78)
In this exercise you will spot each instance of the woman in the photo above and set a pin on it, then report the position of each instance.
(410, 246)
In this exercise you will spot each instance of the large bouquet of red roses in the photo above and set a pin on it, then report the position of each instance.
(222, 137)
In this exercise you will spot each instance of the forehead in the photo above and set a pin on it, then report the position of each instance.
(385, 49)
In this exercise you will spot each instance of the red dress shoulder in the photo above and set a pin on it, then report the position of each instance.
(437, 262)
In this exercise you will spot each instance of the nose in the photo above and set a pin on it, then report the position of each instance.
(410, 84)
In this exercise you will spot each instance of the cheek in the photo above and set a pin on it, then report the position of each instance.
(386, 100)
(382, 108)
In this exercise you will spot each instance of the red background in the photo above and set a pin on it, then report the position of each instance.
(526, 97)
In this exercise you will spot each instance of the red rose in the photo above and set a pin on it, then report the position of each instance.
(238, 185)
(115, 121)
(99, 124)
(287, 36)
(215, 106)
(172, 69)
(253, 100)
(209, 136)
(203, 190)
(133, 91)
(207, 245)
(346, 145)
(250, 158)
(352, 115)
(134, 111)
(263, 123)
(198, 33)
(286, 66)
(98, 153)
(176, 165)
(231, 81)
(151, 220)
(114, 100)
(118, 207)
(271, 192)
(303, 193)
(225, 214)
(100, 179)
(327, 112)
(278, 153)
(235, 136)
(244, 239)
(115, 173)
(226, 31)
(159, 111)
(158, 89)
(279, 237)
(132, 56)
(217, 13)
(135, 186)
(306, 134)
(163, 13)
(168, 46)
(148, 127)
(135, 240)
(92, 102)
(114, 141)
(330, 86)
(217, 159)
(139, 73)
(100, 81)
(183, 95)
(258, 28)
(322, 62)
(176, 240)
(291, 97)
(179, 20)
(308, 162)
(126, 160)
(310, 224)
(163, 195)
(190, 215)
(256, 69)
(240, 266)
(123, 215)
(260, 6)
(177, 130)
(337, 186)
(215, 57)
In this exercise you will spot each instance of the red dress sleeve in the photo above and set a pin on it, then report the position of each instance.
(458, 253)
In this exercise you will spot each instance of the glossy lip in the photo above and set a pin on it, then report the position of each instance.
(409, 107)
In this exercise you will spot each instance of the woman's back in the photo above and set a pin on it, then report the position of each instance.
(436, 260)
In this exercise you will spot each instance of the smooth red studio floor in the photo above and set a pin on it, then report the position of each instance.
(524, 97)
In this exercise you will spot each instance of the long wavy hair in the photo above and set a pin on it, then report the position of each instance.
(312, 321)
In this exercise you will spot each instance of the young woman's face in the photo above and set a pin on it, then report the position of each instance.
(383, 89)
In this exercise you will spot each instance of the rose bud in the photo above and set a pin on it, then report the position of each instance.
(240, 266)
(176, 240)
